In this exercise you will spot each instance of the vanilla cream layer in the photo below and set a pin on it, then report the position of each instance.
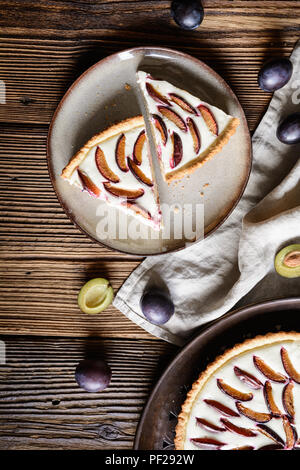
(207, 137)
(127, 179)
(271, 355)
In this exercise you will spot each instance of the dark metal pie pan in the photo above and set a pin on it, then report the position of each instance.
(156, 429)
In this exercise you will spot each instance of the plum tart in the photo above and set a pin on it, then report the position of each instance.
(115, 166)
(187, 131)
(247, 399)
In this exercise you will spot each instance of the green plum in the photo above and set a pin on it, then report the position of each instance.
(95, 296)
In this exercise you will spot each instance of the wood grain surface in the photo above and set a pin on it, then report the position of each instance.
(44, 47)
(41, 406)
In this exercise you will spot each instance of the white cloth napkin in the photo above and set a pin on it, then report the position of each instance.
(236, 263)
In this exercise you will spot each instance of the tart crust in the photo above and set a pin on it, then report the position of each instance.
(123, 126)
(216, 147)
(248, 345)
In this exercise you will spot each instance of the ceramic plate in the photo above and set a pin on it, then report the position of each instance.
(157, 425)
(107, 93)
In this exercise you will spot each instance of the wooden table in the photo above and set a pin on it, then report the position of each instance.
(45, 260)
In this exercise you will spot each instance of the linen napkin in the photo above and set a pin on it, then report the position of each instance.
(236, 263)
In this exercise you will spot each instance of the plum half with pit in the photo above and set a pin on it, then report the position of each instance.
(157, 306)
(188, 14)
(93, 375)
(287, 261)
(275, 73)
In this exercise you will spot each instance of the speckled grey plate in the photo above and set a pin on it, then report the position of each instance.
(100, 98)
(156, 429)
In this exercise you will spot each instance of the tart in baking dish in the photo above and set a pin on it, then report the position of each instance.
(187, 130)
(247, 399)
(115, 166)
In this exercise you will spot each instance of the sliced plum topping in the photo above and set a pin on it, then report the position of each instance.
(88, 184)
(123, 192)
(290, 436)
(194, 131)
(161, 127)
(243, 448)
(288, 400)
(237, 429)
(137, 209)
(177, 150)
(182, 103)
(248, 378)
(138, 173)
(224, 410)
(207, 443)
(232, 392)
(254, 415)
(268, 432)
(173, 117)
(209, 426)
(209, 119)
(267, 371)
(156, 95)
(138, 147)
(268, 394)
(120, 153)
(103, 167)
(271, 447)
(288, 366)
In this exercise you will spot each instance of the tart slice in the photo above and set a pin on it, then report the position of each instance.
(246, 399)
(187, 131)
(115, 166)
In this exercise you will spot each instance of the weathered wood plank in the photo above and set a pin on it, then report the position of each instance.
(86, 17)
(233, 39)
(42, 407)
(39, 297)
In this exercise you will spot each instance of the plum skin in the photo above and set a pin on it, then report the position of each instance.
(288, 131)
(157, 306)
(93, 375)
(188, 14)
(274, 74)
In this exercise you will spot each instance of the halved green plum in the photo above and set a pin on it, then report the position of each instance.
(287, 261)
(95, 296)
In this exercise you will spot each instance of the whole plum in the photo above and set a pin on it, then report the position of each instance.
(288, 131)
(93, 375)
(157, 306)
(188, 14)
(274, 74)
